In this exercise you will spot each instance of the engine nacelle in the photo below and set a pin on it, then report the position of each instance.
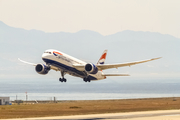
(42, 69)
(91, 68)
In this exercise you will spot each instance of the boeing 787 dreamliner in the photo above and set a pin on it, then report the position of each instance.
(64, 63)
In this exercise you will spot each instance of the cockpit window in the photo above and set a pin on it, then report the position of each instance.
(47, 52)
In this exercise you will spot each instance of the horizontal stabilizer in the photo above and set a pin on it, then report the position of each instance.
(116, 74)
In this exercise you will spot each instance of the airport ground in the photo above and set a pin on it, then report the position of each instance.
(85, 107)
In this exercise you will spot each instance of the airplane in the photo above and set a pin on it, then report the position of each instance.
(64, 63)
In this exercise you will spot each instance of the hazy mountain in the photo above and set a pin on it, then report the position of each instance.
(125, 46)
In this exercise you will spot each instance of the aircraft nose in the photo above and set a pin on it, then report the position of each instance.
(44, 55)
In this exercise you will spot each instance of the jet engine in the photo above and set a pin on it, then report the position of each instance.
(91, 68)
(42, 69)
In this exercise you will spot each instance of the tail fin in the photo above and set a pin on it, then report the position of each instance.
(102, 58)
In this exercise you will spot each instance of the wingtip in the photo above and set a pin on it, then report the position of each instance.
(19, 59)
(159, 57)
(156, 58)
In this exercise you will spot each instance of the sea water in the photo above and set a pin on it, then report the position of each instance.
(77, 89)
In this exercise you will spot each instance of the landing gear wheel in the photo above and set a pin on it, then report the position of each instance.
(64, 80)
(86, 80)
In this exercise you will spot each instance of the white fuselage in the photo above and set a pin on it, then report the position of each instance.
(62, 62)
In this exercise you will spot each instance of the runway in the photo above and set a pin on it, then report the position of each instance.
(147, 115)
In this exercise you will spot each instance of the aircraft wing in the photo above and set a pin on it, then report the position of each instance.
(52, 67)
(108, 66)
(79, 67)
(27, 62)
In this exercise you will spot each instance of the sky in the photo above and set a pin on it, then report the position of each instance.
(104, 16)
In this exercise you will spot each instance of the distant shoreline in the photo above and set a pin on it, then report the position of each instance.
(57, 101)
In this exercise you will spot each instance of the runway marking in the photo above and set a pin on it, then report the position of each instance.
(110, 116)
(125, 116)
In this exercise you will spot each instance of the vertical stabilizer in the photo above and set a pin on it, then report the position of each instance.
(102, 58)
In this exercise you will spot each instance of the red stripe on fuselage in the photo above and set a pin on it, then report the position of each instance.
(58, 53)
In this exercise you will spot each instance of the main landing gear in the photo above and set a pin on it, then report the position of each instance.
(62, 79)
(86, 80)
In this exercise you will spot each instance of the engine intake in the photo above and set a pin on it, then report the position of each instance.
(42, 69)
(91, 68)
